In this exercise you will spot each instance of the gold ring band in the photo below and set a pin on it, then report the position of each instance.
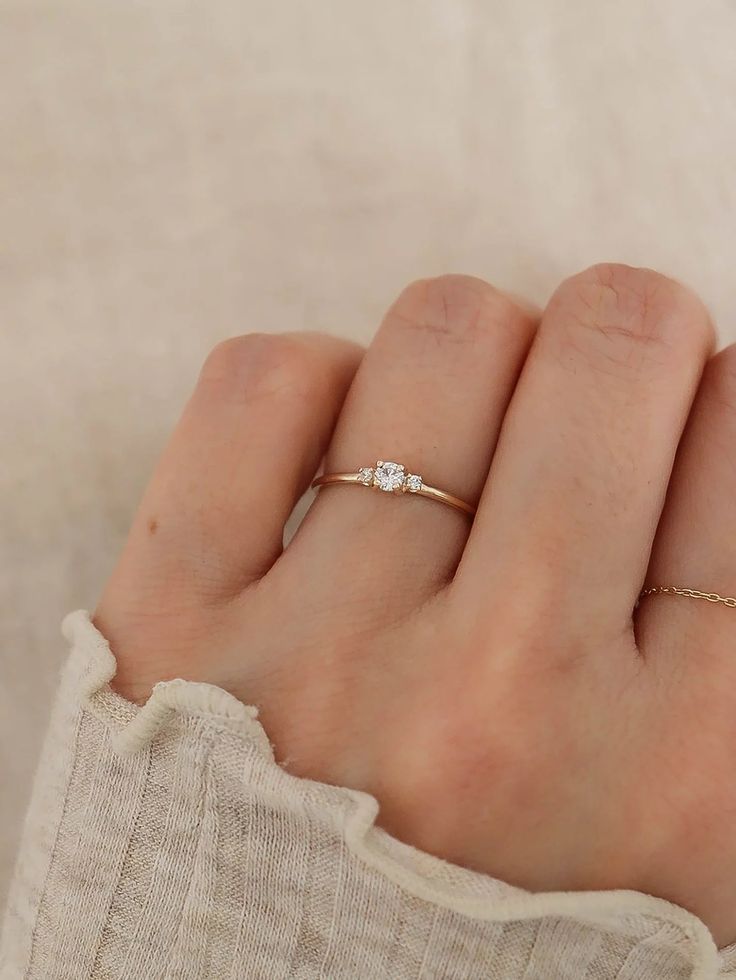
(393, 478)
(688, 593)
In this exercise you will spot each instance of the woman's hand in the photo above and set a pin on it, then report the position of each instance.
(492, 684)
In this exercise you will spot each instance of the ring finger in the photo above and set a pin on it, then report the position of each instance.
(430, 393)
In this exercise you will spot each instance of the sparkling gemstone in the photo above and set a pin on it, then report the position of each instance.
(365, 475)
(413, 482)
(389, 476)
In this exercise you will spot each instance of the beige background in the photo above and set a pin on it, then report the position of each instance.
(173, 172)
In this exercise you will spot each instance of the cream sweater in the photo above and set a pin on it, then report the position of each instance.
(165, 842)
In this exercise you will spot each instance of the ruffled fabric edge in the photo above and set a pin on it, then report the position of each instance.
(468, 893)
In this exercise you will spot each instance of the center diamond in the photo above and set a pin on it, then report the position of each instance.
(389, 476)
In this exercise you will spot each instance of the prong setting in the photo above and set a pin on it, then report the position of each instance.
(389, 476)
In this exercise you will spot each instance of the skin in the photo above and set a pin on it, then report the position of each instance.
(491, 684)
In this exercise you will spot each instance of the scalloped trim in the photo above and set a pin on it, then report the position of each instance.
(469, 893)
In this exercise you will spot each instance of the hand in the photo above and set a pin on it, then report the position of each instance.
(492, 684)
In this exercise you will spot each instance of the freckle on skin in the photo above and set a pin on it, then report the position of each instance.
(152, 526)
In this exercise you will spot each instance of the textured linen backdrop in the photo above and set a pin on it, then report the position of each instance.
(175, 172)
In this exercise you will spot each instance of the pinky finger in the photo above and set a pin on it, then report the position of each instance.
(249, 441)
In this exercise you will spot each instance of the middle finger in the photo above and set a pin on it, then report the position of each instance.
(578, 481)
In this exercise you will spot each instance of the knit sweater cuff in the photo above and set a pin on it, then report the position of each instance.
(166, 842)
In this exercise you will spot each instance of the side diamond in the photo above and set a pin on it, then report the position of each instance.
(365, 475)
(413, 482)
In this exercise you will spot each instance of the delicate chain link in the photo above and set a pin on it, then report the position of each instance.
(690, 593)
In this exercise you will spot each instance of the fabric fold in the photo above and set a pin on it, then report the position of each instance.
(175, 828)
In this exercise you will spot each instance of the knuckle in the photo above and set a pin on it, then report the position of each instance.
(454, 308)
(258, 365)
(631, 318)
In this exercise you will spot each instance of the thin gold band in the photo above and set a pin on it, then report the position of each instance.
(689, 594)
(392, 477)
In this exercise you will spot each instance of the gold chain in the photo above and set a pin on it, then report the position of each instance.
(690, 593)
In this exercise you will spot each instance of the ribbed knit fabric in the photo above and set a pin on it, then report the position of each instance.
(166, 842)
